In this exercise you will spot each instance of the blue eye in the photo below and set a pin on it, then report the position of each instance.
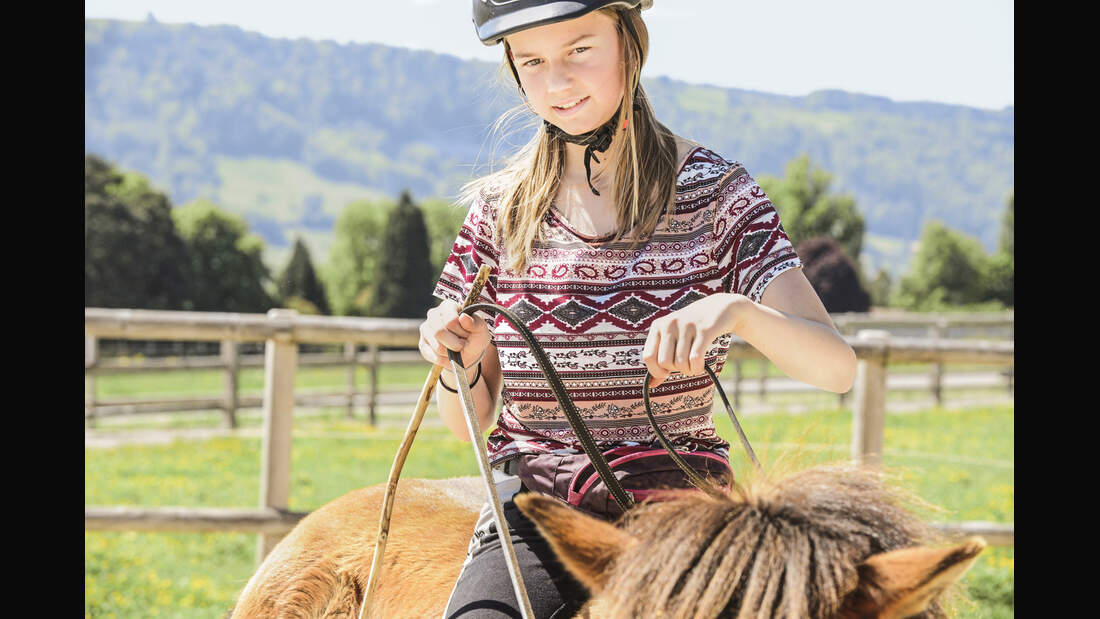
(528, 63)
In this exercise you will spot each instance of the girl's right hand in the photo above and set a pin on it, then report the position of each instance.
(446, 328)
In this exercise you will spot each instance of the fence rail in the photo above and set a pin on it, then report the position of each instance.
(213, 362)
(282, 330)
(280, 522)
(864, 320)
(919, 350)
(373, 399)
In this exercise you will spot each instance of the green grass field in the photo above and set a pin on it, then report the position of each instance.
(961, 460)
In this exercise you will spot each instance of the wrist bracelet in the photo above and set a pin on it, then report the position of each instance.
(480, 357)
(476, 378)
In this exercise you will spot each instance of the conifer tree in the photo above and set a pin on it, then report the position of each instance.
(299, 280)
(403, 282)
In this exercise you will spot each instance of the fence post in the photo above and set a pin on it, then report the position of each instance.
(763, 378)
(91, 359)
(349, 355)
(936, 331)
(372, 393)
(230, 354)
(737, 384)
(280, 365)
(843, 329)
(1011, 368)
(869, 413)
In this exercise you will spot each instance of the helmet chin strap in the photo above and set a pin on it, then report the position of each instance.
(596, 141)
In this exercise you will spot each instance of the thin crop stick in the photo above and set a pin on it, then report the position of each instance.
(403, 451)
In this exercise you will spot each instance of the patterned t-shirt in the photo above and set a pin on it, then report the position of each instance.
(590, 304)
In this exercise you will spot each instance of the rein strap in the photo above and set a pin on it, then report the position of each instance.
(624, 498)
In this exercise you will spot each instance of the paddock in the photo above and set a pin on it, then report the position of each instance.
(282, 332)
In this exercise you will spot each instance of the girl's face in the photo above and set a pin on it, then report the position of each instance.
(567, 62)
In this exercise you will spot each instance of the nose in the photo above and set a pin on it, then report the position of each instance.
(558, 79)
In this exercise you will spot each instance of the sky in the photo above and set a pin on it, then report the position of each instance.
(946, 51)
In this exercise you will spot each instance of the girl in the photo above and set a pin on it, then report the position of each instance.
(625, 248)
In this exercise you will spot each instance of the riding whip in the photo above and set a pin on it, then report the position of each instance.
(473, 427)
(475, 436)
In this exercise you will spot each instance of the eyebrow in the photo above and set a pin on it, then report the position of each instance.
(517, 56)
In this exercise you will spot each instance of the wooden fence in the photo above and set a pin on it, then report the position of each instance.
(282, 331)
(231, 362)
(935, 326)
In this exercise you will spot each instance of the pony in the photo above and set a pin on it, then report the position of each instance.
(831, 541)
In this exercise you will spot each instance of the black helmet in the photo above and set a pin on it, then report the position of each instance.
(496, 19)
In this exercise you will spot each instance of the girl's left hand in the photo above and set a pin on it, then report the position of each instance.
(678, 341)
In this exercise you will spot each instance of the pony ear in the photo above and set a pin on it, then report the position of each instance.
(902, 583)
(585, 545)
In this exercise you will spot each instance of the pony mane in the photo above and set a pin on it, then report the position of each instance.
(784, 548)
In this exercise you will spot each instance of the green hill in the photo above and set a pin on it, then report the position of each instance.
(286, 132)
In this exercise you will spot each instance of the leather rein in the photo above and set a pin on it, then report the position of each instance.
(599, 462)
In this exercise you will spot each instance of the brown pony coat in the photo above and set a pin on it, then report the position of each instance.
(321, 567)
(824, 542)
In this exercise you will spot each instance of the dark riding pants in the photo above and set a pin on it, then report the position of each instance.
(484, 586)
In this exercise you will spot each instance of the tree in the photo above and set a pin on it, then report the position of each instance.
(998, 275)
(403, 280)
(99, 174)
(298, 282)
(1000, 269)
(133, 255)
(226, 261)
(1008, 229)
(443, 220)
(947, 269)
(353, 257)
(808, 210)
(880, 288)
(834, 276)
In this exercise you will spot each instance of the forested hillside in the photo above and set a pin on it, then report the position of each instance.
(287, 132)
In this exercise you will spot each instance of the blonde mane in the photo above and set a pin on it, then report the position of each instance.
(762, 547)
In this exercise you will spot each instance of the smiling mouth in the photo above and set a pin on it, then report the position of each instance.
(574, 105)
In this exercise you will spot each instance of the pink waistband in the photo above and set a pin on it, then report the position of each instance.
(575, 497)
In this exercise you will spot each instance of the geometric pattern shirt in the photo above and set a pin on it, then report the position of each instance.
(590, 303)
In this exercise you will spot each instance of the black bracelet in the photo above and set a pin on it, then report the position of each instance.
(476, 378)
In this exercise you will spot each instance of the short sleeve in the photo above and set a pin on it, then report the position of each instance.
(474, 246)
(750, 245)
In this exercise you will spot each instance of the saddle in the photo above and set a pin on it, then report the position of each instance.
(645, 473)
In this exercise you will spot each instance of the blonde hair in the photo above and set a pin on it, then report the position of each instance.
(643, 190)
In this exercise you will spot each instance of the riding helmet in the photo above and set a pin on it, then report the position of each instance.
(496, 19)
